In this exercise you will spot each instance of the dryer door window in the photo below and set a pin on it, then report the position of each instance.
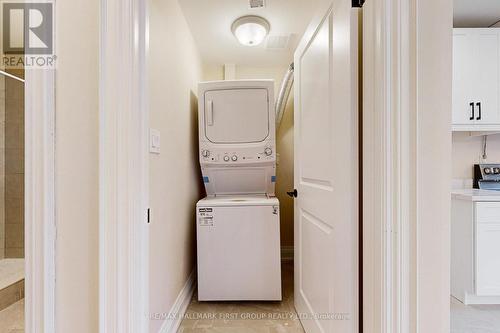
(236, 115)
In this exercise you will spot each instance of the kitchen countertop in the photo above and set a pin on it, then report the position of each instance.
(475, 195)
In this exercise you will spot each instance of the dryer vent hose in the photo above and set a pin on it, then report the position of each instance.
(281, 101)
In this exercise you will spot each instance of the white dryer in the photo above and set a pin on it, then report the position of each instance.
(237, 136)
(238, 241)
(238, 234)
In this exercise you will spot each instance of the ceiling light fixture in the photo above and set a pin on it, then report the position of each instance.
(250, 30)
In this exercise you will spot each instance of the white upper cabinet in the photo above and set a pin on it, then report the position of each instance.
(476, 75)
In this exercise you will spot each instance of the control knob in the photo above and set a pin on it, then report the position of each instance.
(205, 153)
(487, 171)
(226, 158)
(234, 158)
(268, 151)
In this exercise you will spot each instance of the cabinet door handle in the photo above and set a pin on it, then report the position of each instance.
(472, 109)
(479, 106)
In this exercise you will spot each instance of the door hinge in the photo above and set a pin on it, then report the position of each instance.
(358, 3)
(148, 216)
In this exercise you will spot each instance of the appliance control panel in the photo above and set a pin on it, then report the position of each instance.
(249, 155)
(487, 176)
(489, 171)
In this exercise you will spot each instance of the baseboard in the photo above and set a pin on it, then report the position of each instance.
(287, 253)
(173, 321)
(471, 299)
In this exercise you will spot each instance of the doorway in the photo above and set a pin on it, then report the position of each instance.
(206, 50)
(174, 294)
(27, 194)
(12, 199)
(475, 274)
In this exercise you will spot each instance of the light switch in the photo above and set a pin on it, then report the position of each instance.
(154, 141)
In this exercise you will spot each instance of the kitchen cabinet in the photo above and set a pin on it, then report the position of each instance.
(475, 246)
(476, 79)
(488, 259)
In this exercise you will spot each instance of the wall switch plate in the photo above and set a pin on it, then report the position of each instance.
(154, 141)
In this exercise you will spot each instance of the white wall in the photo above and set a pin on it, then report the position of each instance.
(284, 139)
(467, 151)
(433, 73)
(77, 97)
(175, 186)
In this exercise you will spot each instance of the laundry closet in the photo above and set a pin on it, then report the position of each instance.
(231, 217)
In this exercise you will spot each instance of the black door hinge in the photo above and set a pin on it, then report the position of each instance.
(358, 3)
(149, 216)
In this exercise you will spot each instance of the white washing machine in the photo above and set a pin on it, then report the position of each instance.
(238, 233)
(238, 241)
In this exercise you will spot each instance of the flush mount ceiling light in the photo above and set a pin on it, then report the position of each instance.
(250, 30)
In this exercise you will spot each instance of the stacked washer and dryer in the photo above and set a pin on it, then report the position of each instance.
(238, 230)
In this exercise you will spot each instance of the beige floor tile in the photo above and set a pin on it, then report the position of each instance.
(245, 317)
(12, 318)
(11, 271)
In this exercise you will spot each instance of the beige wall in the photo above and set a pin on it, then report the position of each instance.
(2, 166)
(284, 173)
(175, 184)
(467, 151)
(77, 190)
(284, 139)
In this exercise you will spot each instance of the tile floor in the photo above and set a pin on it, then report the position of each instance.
(245, 317)
(11, 271)
(474, 318)
(229, 317)
(12, 318)
(226, 317)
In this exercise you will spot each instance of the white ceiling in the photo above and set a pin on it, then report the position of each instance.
(475, 13)
(210, 23)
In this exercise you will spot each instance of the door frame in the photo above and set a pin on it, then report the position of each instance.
(40, 222)
(123, 168)
(412, 254)
(406, 165)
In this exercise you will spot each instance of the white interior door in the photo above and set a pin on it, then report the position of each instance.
(326, 171)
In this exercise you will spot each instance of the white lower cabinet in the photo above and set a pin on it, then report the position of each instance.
(488, 259)
(475, 251)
